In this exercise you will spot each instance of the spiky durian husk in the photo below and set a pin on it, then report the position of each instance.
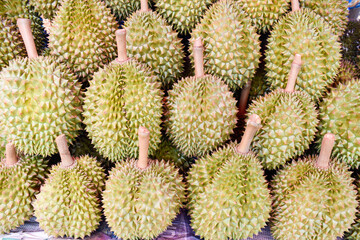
(350, 42)
(114, 109)
(46, 8)
(289, 125)
(339, 114)
(41, 99)
(312, 203)
(86, 43)
(229, 195)
(259, 85)
(346, 73)
(123, 8)
(354, 232)
(152, 42)
(67, 204)
(335, 12)
(307, 34)
(142, 203)
(18, 185)
(202, 115)
(232, 48)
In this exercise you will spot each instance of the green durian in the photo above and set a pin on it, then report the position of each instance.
(85, 44)
(350, 42)
(312, 198)
(307, 34)
(228, 193)
(232, 47)
(354, 232)
(142, 197)
(339, 114)
(46, 8)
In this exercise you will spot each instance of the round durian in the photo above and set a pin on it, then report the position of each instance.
(20, 179)
(289, 118)
(232, 47)
(152, 42)
(122, 97)
(142, 197)
(85, 43)
(312, 198)
(68, 203)
(339, 114)
(202, 111)
(228, 193)
(46, 8)
(350, 42)
(40, 100)
(305, 33)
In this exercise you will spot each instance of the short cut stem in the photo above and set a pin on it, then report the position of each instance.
(121, 45)
(295, 5)
(11, 157)
(294, 72)
(144, 6)
(66, 158)
(199, 58)
(253, 124)
(327, 145)
(24, 26)
(144, 139)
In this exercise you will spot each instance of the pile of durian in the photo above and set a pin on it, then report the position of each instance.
(245, 112)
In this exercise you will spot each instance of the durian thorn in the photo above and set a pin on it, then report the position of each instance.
(253, 124)
(144, 139)
(295, 5)
(244, 98)
(11, 157)
(66, 158)
(293, 74)
(24, 26)
(199, 58)
(144, 6)
(327, 145)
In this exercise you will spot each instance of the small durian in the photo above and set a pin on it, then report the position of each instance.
(122, 97)
(231, 44)
(202, 111)
(40, 99)
(313, 198)
(152, 42)
(46, 8)
(142, 197)
(229, 198)
(20, 179)
(68, 203)
(289, 118)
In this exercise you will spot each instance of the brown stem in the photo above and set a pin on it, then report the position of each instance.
(66, 158)
(244, 98)
(121, 45)
(199, 58)
(294, 72)
(144, 138)
(295, 5)
(144, 6)
(253, 124)
(327, 145)
(11, 157)
(24, 26)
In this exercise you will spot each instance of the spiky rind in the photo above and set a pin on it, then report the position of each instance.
(312, 203)
(354, 232)
(142, 203)
(232, 48)
(41, 99)
(46, 8)
(346, 73)
(305, 33)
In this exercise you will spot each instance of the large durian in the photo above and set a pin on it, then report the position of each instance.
(229, 198)
(46, 8)
(289, 118)
(20, 179)
(122, 97)
(84, 43)
(232, 47)
(39, 99)
(68, 203)
(340, 114)
(142, 197)
(305, 33)
(313, 198)
(202, 111)
(152, 42)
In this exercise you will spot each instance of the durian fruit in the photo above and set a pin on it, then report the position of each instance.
(202, 111)
(142, 197)
(20, 179)
(354, 232)
(84, 43)
(122, 97)
(122, 9)
(232, 47)
(183, 15)
(46, 8)
(229, 198)
(68, 203)
(152, 42)
(289, 118)
(350, 42)
(339, 114)
(313, 198)
(305, 33)
(40, 99)
(347, 72)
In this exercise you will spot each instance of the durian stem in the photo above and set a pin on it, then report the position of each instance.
(144, 6)
(294, 72)
(199, 58)
(244, 98)
(253, 124)
(144, 139)
(66, 158)
(24, 26)
(295, 5)
(121, 45)
(10, 155)
(327, 145)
